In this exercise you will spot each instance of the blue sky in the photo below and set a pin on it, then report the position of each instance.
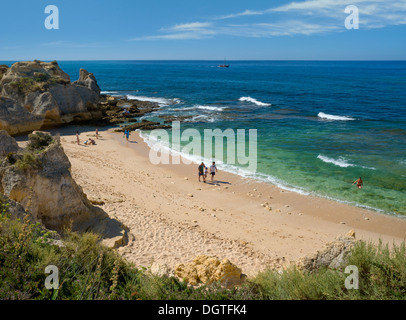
(208, 30)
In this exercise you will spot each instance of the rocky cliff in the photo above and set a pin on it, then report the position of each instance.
(36, 94)
(38, 178)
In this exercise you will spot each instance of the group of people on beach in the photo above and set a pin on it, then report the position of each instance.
(203, 171)
(90, 141)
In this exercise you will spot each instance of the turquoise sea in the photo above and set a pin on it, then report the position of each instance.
(320, 124)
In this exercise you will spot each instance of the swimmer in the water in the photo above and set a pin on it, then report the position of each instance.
(359, 183)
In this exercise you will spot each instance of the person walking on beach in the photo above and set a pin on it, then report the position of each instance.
(77, 137)
(213, 170)
(359, 183)
(97, 133)
(127, 134)
(201, 172)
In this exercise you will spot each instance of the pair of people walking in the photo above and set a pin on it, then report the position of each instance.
(203, 171)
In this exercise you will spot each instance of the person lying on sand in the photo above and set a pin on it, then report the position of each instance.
(359, 183)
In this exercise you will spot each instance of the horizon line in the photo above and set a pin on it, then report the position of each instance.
(210, 60)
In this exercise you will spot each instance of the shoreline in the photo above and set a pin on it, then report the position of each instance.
(293, 189)
(172, 218)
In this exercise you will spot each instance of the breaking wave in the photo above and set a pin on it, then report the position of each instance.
(333, 117)
(160, 101)
(255, 101)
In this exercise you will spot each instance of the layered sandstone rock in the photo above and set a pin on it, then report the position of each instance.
(40, 181)
(7, 144)
(35, 94)
(334, 255)
(205, 269)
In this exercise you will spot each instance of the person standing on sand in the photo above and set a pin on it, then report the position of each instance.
(213, 170)
(77, 137)
(201, 172)
(97, 133)
(359, 183)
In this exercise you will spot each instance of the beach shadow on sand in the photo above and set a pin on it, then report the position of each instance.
(214, 182)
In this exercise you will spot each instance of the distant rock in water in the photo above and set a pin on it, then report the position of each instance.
(36, 94)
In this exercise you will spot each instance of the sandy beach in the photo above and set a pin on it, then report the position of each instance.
(173, 218)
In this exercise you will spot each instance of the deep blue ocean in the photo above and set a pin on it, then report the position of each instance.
(320, 125)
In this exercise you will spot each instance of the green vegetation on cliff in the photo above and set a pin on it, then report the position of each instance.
(39, 82)
(88, 270)
(38, 141)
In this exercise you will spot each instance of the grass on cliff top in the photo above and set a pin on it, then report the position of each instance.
(39, 82)
(88, 270)
(28, 159)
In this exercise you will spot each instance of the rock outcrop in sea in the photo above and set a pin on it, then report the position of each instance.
(36, 95)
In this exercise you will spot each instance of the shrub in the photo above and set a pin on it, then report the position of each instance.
(11, 157)
(28, 161)
(24, 85)
(40, 76)
(39, 141)
(57, 80)
(382, 271)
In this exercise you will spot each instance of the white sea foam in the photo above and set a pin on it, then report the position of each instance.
(109, 92)
(338, 162)
(255, 101)
(160, 101)
(341, 162)
(201, 118)
(333, 117)
(202, 107)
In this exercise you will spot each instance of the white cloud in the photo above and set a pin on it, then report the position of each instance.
(194, 26)
(184, 31)
(307, 17)
(242, 14)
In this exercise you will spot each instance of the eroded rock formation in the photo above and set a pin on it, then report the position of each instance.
(35, 94)
(38, 178)
(205, 269)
